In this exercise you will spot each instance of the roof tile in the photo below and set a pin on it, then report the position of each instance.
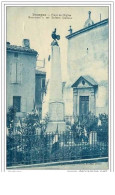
(21, 49)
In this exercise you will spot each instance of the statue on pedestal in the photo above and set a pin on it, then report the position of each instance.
(54, 36)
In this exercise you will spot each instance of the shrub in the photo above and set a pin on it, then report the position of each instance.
(24, 145)
(90, 123)
(10, 119)
(103, 128)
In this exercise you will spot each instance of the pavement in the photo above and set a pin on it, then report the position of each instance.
(86, 166)
(94, 164)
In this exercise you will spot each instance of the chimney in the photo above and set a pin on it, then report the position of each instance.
(26, 43)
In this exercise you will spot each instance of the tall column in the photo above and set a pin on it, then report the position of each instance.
(56, 104)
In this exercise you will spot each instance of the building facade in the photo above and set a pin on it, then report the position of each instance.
(40, 89)
(86, 89)
(20, 77)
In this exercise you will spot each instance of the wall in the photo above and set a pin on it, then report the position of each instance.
(39, 91)
(88, 55)
(82, 61)
(25, 89)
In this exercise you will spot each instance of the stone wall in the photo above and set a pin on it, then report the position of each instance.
(39, 90)
(26, 87)
(88, 55)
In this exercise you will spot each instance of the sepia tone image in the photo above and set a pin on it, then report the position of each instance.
(57, 98)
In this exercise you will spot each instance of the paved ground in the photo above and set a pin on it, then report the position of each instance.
(86, 166)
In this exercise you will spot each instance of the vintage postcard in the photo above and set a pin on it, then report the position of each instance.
(57, 87)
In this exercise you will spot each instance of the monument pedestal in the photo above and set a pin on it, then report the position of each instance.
(56, 116)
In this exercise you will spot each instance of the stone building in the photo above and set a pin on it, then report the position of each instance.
(40, 89)
(86, 89)
(20, 77)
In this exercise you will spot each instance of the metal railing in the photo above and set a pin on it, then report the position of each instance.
(50, 147)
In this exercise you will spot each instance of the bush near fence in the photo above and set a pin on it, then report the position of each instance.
(90, 122)
(43, 148)
(25, 146)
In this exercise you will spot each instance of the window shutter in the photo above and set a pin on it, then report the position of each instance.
(19, 72)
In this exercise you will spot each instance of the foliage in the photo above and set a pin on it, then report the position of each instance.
(103, 128)
(10, 119)
(40, 153)
(104, 122)
(87, 123)
(26, 146)
(23, 144)
(30, 123)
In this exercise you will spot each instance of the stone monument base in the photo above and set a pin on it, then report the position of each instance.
(53, 126)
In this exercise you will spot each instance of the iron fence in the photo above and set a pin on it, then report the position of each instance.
(50, 147)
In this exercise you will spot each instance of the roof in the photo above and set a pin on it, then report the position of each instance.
(103, 22)
(88, 78)
(40, 72)
(16, 48)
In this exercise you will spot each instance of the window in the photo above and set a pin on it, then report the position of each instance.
(17, 103)
(84, 105)
(83, 82)
(42, 83)
(16, 72)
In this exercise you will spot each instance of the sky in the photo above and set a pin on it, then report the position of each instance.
(26, 22)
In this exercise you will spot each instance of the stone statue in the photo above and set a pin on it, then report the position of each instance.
(70, 30)
(54, 36)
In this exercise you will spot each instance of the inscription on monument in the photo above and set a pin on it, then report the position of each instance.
(56, 111)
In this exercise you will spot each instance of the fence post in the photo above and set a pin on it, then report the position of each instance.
(93, 137)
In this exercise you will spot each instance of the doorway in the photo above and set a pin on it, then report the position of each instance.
(84, 105)
(17, 103)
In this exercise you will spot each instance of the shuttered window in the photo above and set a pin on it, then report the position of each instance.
(16, 72)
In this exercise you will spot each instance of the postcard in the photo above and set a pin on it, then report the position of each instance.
(57, 87)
